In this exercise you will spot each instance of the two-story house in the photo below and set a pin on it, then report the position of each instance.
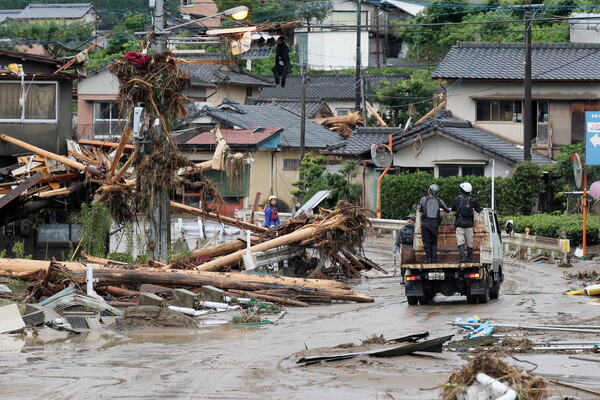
(485, 86)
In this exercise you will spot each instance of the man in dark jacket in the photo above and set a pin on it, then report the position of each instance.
(430, 221)
(282, 62)
(463, 207)
(405, 235)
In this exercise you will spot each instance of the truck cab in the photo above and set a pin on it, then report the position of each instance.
(478, 279)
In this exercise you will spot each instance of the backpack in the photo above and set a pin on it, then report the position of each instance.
(432, 207)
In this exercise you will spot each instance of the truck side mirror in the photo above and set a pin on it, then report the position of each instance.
(510, 227)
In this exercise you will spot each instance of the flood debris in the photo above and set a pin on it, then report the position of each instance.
(525, 385)
(10, 319)
(407, 346)
(142, 316)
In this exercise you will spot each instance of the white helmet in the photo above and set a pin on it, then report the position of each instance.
(466, 187)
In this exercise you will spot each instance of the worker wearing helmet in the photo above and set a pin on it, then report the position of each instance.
(463, 207)
(430, 221)
(271, 213)
(406, 234)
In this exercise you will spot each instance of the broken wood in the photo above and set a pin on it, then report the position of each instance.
(216, 217)
(104, 144)
(218, 160)
(224, 248)
(376, 114)
(119, 152)
(296, 236)
(16, 192)
(125, 166)
(276, 299)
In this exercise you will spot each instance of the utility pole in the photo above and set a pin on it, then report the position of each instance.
(527, 104)
(358, 94)
(161, 224)
(303, 60)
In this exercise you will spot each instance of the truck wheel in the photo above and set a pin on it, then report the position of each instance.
(485, 297)
(412, 300)
(423, 300)
(495, 290)
(471, 299)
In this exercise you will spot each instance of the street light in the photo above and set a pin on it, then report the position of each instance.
(236, 13)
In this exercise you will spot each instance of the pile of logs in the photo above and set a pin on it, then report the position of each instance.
(343, 125)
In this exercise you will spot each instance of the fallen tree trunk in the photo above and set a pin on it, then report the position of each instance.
(276, 299)
(219, 250)
(216, 217)
(222, 281)
(296, 236)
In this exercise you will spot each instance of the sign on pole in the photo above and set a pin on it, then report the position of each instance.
(592, 137)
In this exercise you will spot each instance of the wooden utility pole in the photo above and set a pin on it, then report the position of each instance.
(358, 92)
(527, 104)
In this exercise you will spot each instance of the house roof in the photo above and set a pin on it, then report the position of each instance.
(550, 61)
(5, 14)
(232, 136)
(464, 132)
(213, 75)
(313, 107)
(233, 115)
(54, 11)
(326, 87)
(361, 140)
(29, 56)
(409, 8)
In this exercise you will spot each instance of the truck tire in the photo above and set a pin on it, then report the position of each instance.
(485, 297)
(495, 290)
(412, 300)
(423, 300)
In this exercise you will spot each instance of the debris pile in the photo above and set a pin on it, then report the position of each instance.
(343, 125)
(525, 385)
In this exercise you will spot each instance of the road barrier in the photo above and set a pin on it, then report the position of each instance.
(527, 244)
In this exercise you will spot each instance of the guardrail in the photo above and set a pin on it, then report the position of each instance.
(527, 244)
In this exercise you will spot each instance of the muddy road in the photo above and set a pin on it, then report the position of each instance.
(226, 362)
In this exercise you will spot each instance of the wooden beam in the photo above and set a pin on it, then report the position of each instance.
(16, 192)
(216, 217)
(44, 153)
(119, 152)
(104, 145)
(375, 113)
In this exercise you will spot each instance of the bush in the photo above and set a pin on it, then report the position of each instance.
(400, 194)
(553, 226)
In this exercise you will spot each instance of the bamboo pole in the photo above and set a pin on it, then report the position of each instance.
(64, 160)
(296, 236)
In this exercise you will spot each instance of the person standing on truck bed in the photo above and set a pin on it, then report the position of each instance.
(430, 221)
(463, 207)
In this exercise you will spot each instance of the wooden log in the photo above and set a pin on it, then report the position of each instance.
(224, 248)
(135, 277)
(119, 152)
(276, 299)
(296, 236)
(376, 114)
(125, 166)
(101, 261)
(104, 145)
(117, 291)
(216, 217)
(218, 160)
(61, 159)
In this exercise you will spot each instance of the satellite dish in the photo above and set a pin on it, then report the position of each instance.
(382, 155)
(577, 170)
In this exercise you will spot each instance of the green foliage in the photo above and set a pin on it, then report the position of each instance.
(18, 287)
(95, 227)
(3, 253)
(396, 98)
(18, 249)
(316, 179)
(400, 194)
(554, 225)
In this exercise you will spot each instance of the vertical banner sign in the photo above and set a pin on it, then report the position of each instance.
(303, 49)
(592, 137)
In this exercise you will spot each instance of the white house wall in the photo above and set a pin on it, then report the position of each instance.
(101, 83)
(463, 105)
(336, 50)
(437, 148)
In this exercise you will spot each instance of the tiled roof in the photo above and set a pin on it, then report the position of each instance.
(28, 56)
(463, 131)
(54, 11)
(361, 140)
(313, 107)
(504, 61)
(326, 87)
(235, 136)
(212, 75)
(249, 116)
(5, 14)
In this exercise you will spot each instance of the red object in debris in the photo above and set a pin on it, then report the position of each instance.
(139, 60)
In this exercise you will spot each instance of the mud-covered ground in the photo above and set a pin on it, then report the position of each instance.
(226, 362)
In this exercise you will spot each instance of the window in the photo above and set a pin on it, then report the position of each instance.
(542, 111)
(342, 111)
(499, 110)
(290, 164)
(248, 92)
(445, 171)
(106, 119)
(39, 105)
(472, 170)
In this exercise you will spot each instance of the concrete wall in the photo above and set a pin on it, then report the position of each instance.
(462, 103)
